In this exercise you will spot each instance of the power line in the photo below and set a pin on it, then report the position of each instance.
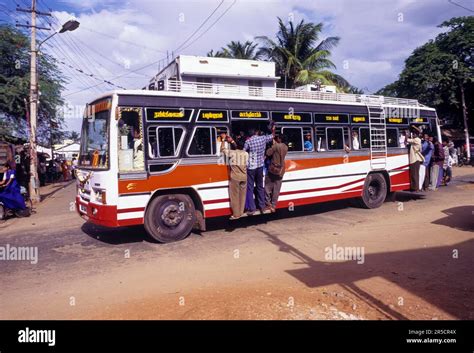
(213, 23)
(202, 24)
(461, 6)
(122, 40)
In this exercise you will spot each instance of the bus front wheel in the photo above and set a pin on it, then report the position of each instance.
(170, 218)
(375, 191)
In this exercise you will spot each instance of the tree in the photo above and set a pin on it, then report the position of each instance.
(440, 73)
(237, 50)
(15, 81)
(299, 60)
(74, 135)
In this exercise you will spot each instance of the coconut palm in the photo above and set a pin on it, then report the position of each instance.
(299, 60)
(238, 50)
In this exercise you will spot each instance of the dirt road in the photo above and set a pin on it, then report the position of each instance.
(417, 264)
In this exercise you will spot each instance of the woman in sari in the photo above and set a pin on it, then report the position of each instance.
(10, 194)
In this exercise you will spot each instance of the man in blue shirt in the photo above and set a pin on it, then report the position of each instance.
(427, 151)
(256, 146)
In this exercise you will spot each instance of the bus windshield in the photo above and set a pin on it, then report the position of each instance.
(95, 141)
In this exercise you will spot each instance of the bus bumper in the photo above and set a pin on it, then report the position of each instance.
(104, 215)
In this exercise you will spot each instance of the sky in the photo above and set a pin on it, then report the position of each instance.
(126, 42)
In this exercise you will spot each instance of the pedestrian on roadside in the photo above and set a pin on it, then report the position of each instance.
(73, 167)
(64, 169)
(415, 158)
(437, 167)
(255, 146)
(447, 164)
(237, 160)
(427, 151)
(273, 180)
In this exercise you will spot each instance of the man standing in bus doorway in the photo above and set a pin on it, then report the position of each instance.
(255, 146)
(274, 177)
(237, 160)
(415, 158)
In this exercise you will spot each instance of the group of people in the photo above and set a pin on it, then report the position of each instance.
(257, 166)
(431, 161)
(55, 170)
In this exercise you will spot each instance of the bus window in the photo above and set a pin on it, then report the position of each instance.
(152, 142)
(221, 130)
(131, 156)
(308, 139)
(335, 138)
(364, 137)
(392, 137)
(355, 140)
(169, 139)
(203, 142)
(294, 138)
(321, 139)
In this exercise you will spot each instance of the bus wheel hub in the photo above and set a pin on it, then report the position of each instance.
(171, 215)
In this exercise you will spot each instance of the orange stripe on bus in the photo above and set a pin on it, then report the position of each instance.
(186, 175)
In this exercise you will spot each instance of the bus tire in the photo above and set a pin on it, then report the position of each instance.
(2, 212)
(375, 191)
(170, 218)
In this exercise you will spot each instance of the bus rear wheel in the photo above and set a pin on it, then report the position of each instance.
(170, 218)
(375, 191)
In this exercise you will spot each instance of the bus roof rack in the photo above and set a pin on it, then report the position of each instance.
(213, 89)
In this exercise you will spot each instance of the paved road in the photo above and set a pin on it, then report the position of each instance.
(417, 264)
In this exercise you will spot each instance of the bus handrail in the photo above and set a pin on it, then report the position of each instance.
(213, 89)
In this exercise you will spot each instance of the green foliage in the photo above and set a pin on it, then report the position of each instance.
(435, 72)
(15, 81)
(299, 58)
(237, 50)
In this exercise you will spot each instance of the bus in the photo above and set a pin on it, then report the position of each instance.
(152, 158)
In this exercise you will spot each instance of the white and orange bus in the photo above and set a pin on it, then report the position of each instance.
(152, 157)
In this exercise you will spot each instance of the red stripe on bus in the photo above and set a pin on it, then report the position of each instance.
(321, 189)
(294, 192)
(285, 204)
(130, 222)
(125, 210)
(215, 201)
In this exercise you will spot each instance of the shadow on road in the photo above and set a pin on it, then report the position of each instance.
(116, 236)
(136, 234)
(432, 274)
(461, 217)
(299, 211)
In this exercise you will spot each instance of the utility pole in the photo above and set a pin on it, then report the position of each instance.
(466, 126)
(34, 95)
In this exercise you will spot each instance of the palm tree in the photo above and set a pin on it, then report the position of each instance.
(238, 50)
(297, 57)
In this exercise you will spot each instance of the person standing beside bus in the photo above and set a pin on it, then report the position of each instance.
(255, 146)
(276, 170)
(415, 159)
(437, 167)
(237, 161)
(426, 150)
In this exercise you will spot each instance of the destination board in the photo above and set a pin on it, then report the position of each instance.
(287, 117)
(169, 114)
(331, 118)
(359, 119)
(249, 114)
(209, 115)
